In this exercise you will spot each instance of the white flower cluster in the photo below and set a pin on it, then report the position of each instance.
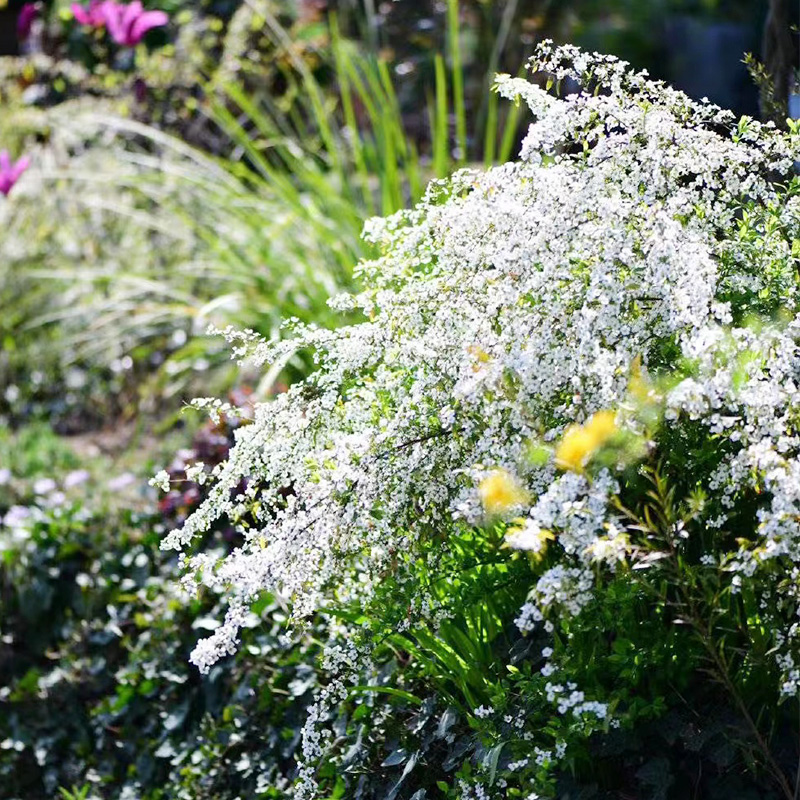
(509, 305)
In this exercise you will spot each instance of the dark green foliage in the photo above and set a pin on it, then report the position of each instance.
(98, 688)
(98, 692)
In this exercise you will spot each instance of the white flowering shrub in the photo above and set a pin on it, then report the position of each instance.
(581, 366)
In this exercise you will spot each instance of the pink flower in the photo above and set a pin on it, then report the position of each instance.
(128, 24)
(91, 16)
(27, 14)
(10, 173)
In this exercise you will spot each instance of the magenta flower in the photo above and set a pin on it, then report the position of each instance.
(27, 14)
(128, 24)
(10, 173)
(92, 16)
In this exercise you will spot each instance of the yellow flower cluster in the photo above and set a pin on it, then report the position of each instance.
(640, 388)
(500, 491)
(480, 355)
(581, 442)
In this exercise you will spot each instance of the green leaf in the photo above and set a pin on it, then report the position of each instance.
(490, 761)
(363, 689)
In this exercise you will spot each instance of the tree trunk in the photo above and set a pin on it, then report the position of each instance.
(777, 48)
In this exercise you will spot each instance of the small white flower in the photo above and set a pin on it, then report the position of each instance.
(44, 486)
(121, 482)
(75, 478)
(160, 480)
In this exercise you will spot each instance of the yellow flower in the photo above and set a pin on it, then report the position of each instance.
(575, 447)
(602, 425)
(638, 386)
(480, 355)
(581, 442)
(500, 491)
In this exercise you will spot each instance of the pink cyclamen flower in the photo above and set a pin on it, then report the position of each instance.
(128, 24)
(92, 16)
(27, 14)
(10, 173)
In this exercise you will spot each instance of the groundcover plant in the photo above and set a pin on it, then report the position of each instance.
(573, 390)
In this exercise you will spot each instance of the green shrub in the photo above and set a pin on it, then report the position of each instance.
(569, 414)
(97, 691)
